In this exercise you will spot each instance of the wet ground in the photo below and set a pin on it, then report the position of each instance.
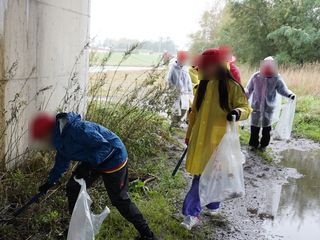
(298, 210)
(282, 199)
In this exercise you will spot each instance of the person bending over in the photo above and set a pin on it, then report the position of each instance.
(100, 153)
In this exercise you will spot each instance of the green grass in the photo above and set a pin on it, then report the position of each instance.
(307, 118)
(244, 136)
(161, 207)
(244, 139)
(265, 155)
(135, 59)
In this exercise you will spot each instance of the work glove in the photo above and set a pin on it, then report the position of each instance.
(45, 187)
(83, 170)
(234, 112)
(292, 96)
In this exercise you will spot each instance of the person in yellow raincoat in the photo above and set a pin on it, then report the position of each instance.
(217, 99)
(194, 72)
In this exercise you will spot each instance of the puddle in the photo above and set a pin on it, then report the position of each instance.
(296, 207)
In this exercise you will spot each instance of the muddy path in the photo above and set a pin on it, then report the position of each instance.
(255, 215)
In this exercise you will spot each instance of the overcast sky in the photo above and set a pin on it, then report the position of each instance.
(147, 19)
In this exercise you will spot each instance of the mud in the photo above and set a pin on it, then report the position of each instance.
(252, 217)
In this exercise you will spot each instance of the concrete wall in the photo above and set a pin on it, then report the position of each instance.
(42, 52)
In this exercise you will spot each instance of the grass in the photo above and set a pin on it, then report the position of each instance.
(123, 81)
(244, 139)
(134, 60)
(135, 118)
(307, 118)
(161, 207)
(160, 202)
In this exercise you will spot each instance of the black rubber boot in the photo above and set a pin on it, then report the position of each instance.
(150, 237)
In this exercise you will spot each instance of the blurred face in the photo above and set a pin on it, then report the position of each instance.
(195, 60)
(209, 71)
(182, 62)
(43, 143)
(269, 68)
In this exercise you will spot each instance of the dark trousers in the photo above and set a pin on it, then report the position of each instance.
(116, 185)
(255, 136)
(176, 120)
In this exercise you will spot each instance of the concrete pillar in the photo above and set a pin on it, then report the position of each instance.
(42, 53)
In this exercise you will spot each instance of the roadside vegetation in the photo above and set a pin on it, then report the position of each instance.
(137, 112)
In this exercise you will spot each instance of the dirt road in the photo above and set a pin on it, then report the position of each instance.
(252, 217)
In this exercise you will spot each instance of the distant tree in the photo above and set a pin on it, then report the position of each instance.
(297, 36)
(206, 36)
(287, 29)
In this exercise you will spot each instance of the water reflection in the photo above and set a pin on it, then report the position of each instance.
(298, 215)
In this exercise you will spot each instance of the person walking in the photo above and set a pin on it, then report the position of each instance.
(263, 87)
(180, 81)
(218, 98)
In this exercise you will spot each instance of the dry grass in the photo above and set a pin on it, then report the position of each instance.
(303, 80)
(123, 81)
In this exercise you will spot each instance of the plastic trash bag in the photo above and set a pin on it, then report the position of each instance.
(277, 110)
(84, 225)
(222, 178)
(284, 126)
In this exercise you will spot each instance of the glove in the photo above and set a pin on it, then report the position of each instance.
(292, 96)
(45, 187)
(83, 170)
(234, 112)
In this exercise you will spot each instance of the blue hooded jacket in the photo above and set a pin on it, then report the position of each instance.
(83, 141)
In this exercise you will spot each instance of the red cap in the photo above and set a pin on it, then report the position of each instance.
(235, 72)
(212, 55)
(41, 125)
(182, 56)
(226, 50)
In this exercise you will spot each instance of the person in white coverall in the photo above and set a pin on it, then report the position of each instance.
(264, 86)
(179, 79)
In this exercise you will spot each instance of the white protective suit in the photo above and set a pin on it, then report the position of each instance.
(179, 79)
(264, 99)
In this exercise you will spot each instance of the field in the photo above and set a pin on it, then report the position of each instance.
(139, 59)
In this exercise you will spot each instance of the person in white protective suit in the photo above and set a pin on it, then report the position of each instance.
(264, 86)
(179, 79)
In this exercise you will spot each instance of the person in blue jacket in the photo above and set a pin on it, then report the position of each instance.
(100, 153)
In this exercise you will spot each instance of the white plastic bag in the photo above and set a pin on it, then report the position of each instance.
(284, 126)
(222, 178)
(84, 225)
(277, 110)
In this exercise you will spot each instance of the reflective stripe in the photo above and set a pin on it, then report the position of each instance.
(117, 168)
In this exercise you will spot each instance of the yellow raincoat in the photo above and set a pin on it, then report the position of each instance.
(194, 74)
(207, 127)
